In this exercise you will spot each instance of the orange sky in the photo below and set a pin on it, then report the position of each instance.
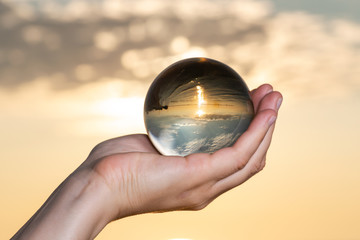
(310, 186)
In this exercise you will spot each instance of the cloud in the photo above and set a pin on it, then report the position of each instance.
(308, 55)
(208, 144)
(191, 146)
(299, 53)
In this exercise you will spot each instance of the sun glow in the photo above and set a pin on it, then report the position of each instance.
(200, 112)
(201, 101)
(110, 115)
(119, 107)
(200, 96)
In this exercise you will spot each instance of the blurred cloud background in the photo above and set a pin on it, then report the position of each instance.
(74, 73)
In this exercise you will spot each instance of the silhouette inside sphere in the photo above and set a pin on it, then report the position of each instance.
(197, 105)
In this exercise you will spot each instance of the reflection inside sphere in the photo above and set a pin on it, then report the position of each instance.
(197, 105)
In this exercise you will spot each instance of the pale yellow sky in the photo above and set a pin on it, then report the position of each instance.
(307, 191)
(310, 186)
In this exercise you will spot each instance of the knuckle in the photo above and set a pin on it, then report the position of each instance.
(263, 165)
(98, 149)
(194, 200)
(240, 165)
(257, 167)
(199, 207)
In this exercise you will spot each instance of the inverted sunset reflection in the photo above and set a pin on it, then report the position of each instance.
(197, 105)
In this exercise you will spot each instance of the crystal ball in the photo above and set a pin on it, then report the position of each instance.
(196, 105)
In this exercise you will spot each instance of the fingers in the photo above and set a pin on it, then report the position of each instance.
(231, 160)
(259, 93)
(247, 156)
(254, 165)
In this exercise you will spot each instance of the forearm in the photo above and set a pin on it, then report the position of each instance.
(78, 209)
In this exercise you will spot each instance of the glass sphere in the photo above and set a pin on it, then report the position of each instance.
(196, 105)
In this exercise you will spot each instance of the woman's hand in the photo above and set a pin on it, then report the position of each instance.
(127, 176)
(144, 181)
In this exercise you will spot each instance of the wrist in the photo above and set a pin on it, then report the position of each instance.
(78, 209)
(89, 204)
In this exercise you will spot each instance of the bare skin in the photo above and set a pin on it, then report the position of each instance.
(127, 176)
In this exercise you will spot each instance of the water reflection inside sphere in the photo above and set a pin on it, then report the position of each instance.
(197, 105)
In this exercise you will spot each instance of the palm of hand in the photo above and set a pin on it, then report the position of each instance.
(134, 169)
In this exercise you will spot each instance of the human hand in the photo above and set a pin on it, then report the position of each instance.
(127, 176)
(143, 181)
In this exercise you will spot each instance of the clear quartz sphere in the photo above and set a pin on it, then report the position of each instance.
(196, 105)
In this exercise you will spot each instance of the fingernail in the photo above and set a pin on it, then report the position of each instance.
(272, 120)
(278, 104)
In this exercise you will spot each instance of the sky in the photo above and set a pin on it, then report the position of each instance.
(347, 9)
(75, 73)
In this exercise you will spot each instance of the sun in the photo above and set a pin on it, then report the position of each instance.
(200, 101)
(200, 112)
